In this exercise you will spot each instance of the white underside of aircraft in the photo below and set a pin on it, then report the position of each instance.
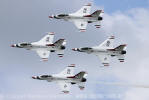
(82, 17)
(66, 78)
(45, 46)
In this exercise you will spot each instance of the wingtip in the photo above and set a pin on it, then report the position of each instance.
(72, 65)
(112, 37)
(50, 33)
(60, 55)
(82, 30)
(97, 26)
(44, 59)
(106, 64)
(66, 92)
(88, 4)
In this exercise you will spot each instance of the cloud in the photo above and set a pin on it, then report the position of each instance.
(136, 94)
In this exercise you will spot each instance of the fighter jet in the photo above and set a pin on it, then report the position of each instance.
(45, 46)
(105, 50)
(82, 17)
(66, 78)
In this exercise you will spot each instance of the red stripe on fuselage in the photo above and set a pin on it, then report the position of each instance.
(50, 45)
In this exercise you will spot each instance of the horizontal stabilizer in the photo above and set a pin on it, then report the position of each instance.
(97, 13)
(60, 42)
(80, 75)
(121, 47)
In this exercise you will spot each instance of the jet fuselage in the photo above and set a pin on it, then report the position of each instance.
(55, 78)
(35, 46)
(70, 17)
(94, 50)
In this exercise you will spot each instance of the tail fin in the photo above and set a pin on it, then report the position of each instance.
(85, 10)
(108, 43)
(60, 42)
(121, 47)
(97, 13)
(48, 39)
(68, 71)
(80, 75)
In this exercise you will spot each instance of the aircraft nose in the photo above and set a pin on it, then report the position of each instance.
(75, 49)
(13, 45)
(33, 77)
(52, 16)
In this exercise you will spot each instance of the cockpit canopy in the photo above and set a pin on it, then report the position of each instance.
(24, 44)
(62, 15)
(45, 76)
(86, 48)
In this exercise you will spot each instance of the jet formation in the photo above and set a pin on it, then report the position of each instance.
(82, 17)
(45, 46)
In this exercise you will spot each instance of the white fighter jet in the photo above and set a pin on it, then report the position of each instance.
(105, 50)
(66, 78)
(45, 46)
(82, 17)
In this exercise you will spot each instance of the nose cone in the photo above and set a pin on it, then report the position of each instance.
(13, 45)
(75, 49)
(33, 77)
(50, 16)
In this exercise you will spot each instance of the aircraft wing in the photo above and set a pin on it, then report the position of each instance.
(121, 58)
(60, 42)
(81, 25)
(44, 54)
(65, 87)
(105, 59)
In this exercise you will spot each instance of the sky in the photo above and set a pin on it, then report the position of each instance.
(27, 21)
